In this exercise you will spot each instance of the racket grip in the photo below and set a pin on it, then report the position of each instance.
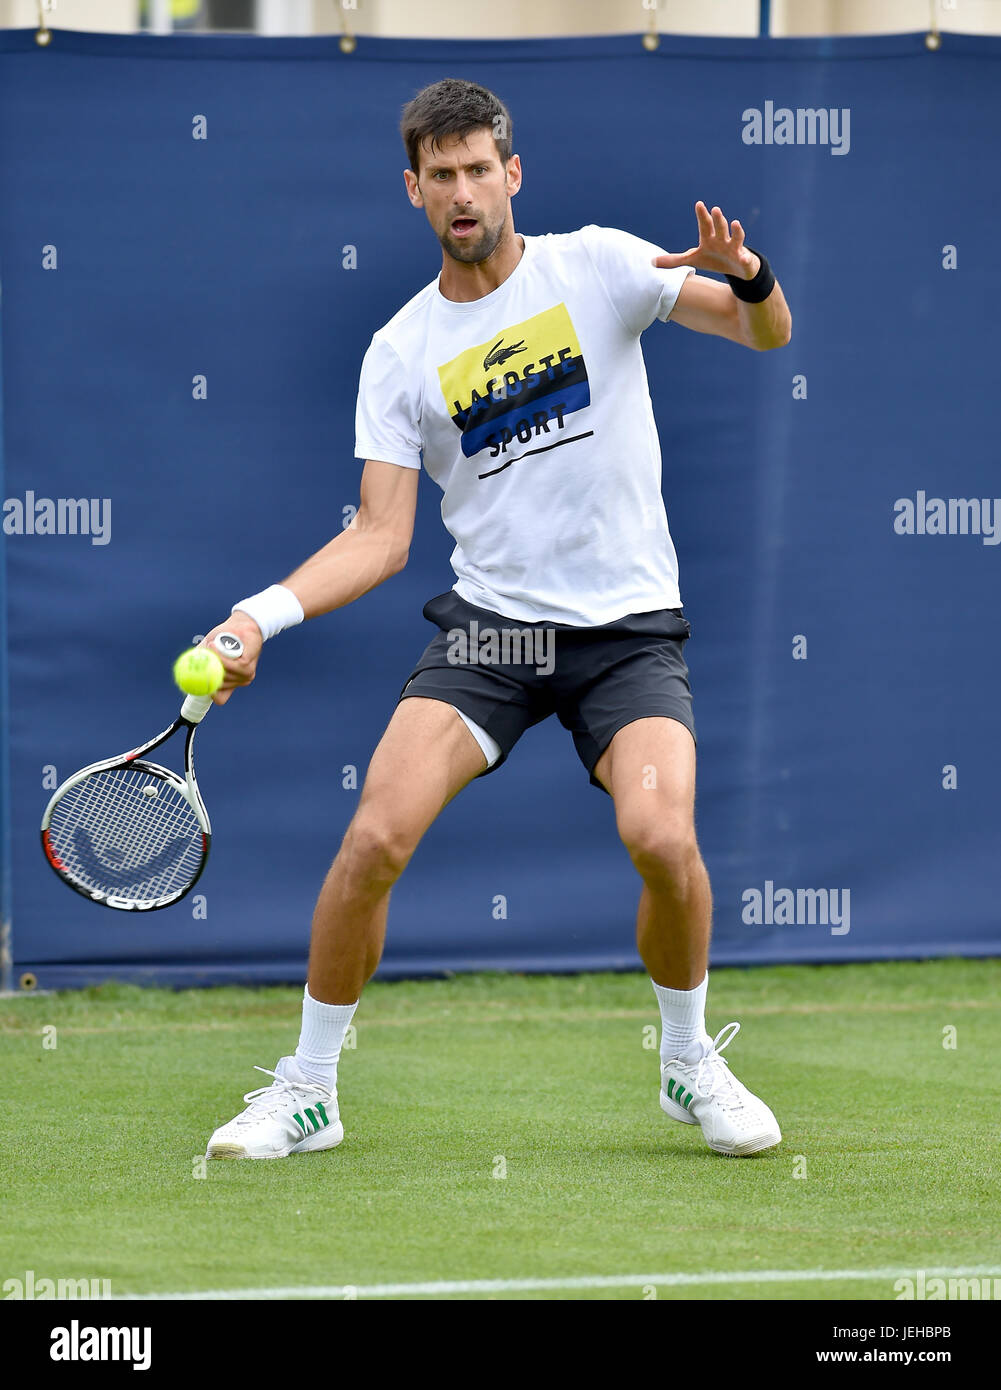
(195, 708)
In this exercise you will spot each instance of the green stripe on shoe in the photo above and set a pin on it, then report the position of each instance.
(315, 1124)
(681, 1097)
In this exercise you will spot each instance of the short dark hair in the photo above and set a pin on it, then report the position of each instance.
(453, 109)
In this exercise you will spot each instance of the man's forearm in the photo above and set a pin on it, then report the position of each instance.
(768, 324)
(348, 566)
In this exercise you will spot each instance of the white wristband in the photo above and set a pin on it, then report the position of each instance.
(273, 610)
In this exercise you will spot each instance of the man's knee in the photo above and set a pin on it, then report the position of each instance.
(376, 849)
(661, 845)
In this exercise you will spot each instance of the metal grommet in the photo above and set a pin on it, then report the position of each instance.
(28, 981)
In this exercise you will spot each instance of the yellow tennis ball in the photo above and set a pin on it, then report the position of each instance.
(199, 671)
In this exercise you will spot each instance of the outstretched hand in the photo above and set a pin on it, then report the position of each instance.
(721, 248)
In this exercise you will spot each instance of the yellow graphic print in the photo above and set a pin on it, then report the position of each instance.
(513, 395)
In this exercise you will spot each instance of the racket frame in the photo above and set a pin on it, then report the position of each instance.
(193, 711)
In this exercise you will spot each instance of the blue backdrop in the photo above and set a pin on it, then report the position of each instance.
(840, 668)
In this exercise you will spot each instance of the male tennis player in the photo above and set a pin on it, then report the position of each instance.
(517, 377)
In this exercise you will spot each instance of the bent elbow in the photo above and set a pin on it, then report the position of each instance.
(781, 341)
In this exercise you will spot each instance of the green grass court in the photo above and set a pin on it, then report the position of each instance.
(544, 1078)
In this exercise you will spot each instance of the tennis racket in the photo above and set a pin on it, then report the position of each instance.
(128, 833)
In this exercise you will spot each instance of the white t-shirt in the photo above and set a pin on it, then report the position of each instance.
(530, 409)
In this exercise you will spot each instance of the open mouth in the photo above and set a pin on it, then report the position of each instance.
(462, 226)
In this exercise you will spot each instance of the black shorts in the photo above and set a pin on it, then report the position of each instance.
(506, 675)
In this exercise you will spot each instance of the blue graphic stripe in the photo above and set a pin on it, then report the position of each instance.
(505, 427)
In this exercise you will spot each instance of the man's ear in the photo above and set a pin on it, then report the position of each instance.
(413, 188)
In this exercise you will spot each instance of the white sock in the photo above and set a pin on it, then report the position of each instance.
(323, 1030)
(683, 1015)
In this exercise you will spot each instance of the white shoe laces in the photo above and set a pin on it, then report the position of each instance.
(269, 1099)
(714, 1069)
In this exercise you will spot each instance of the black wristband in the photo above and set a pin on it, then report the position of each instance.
(754, 291)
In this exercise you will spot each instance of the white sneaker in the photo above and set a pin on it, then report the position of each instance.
(290, 1116)
(702, 1091)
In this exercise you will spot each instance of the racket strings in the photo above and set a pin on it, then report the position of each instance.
(127, 832)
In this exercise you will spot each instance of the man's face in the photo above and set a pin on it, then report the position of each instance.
(465, 191)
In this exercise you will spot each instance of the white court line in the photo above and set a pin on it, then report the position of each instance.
(614, 1281)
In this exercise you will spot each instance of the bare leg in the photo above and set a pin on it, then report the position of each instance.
(649, 768)
(425, 757)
